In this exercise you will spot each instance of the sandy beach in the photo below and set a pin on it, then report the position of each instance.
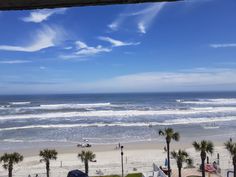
(138, 157)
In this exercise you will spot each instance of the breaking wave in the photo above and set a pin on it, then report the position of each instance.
(122, 113)
(220, 101)
(183, 121)
(20, 103)
(73, 106)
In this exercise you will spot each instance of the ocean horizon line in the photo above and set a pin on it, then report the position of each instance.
(116, 93)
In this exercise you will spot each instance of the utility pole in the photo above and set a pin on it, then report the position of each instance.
(122, 164)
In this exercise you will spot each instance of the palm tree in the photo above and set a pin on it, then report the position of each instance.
(203, 147)
(169, 134)
(86, 157)
(47, 155)
(231, 147)
(9, 160)
(181, 157)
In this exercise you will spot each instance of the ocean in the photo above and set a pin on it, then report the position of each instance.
(34, 120)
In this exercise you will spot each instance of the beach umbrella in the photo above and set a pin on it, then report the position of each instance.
(77, 173)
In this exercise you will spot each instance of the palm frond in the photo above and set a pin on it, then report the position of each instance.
(176, 136)
(48, 154)
(196, 145)
(210, 147)
(189, 161)
(161, 133)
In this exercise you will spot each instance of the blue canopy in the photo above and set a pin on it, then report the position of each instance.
(166, 162)
(77, 173)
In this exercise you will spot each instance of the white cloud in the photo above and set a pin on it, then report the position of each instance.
(223, 45)
(143, 17)
(42, 67)
(192, 80)
(148, 15)
(42, 15)
(118, 43)
(113, 26)
(141, 27)
(44, 38)
(14, 61)
(68, 48)
(83, 50)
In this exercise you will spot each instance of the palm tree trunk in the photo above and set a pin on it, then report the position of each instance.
(179, 172)
(86, 167)
(47, 168)
(234, 163)
(234, 170)
(168, 157)
(10, 168)
(10, 172)
(203, 167)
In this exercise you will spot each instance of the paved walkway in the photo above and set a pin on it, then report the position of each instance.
(191, 172)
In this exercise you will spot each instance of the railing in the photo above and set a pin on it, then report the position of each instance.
(156, 168)
(157, 172)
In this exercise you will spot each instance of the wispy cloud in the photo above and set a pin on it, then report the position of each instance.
(14, 61)
(148, 15)
(117, 43)
(224, 45)
(191, 80)
(42, 15)
(43, 38)
(83, 50)
(42, 67)
(143, 17)
(32, 82)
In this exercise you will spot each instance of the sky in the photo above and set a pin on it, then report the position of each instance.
(151, 47)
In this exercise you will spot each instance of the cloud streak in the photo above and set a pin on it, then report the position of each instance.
(117, 43)
(44, 38)
(42, 15)
(144, 17)
(83, 51)
(224, 45)
(14, 61)
(148, 15)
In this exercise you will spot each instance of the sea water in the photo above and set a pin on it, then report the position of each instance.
(31, 120)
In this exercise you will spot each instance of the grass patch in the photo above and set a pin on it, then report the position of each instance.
(111, 176)
(134, 175)
(129, 175)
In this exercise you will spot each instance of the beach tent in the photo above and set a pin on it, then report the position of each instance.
(77, 173)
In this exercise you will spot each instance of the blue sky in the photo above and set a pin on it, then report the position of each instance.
(152, 47)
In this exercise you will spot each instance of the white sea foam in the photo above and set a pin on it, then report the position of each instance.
(75, 125)
(33, 141)
(183, 121)
(123, 114)
(221, 101)
(88, 106)
(198, 120)
(13, 140)
(73, 106)
(20, 103)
